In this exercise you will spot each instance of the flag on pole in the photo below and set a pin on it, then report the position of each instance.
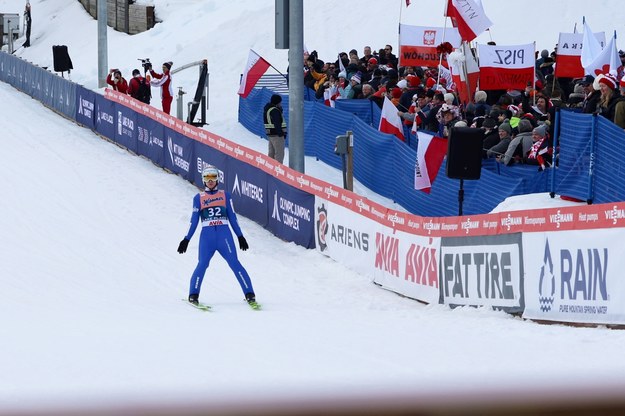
(469, 17)
(417, 44)
(464, 71)
(390, 122)
(431, 152)
(506, 67)
(591, 48)
(607, 61)
(256, 67)
(568, 59)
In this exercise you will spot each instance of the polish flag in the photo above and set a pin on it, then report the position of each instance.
(417, 44)
(569, 57)
(463, 65)
(469, 17)
(606, 62)
(390, 122)
(431, 152)
(506, 67)
(256, 67)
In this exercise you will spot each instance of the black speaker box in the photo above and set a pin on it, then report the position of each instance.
(464, 153)
(62, 61)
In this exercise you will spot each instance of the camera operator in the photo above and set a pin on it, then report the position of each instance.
(164, 81)
(115, 80)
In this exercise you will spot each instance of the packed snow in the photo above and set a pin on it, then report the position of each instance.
(90, 309)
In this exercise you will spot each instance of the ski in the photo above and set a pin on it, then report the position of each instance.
(201, 306)
(254, 305)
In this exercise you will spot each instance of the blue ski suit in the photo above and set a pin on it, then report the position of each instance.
(214, 209)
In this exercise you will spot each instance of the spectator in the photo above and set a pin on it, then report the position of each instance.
(619, 112)
(275, 127)
(541, 150)
(366, 55)
(369, 72)
(139, 87)
(376, 79)
(491, 135)
(164, 81)
(505, 137)
(387, 58)
(609, 95)
(28, 21)
(589, 106)
(520, 144)
(576, 98)
(449, 115)
(367, 91)
(116, 81)
(430, 122)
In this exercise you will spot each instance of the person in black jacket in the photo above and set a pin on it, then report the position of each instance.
(275, 127)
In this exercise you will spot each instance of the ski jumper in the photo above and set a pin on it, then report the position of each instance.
(214, 209)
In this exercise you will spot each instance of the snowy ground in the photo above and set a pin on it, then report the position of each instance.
(90, 310)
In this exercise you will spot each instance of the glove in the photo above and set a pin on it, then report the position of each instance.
(182, 247)
(243, 243)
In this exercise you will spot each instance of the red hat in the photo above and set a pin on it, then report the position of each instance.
(414, 81)
(373, 61)
(430, 82)
(396, 92)
(607, 79)
(379, 92)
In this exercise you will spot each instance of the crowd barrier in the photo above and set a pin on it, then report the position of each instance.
(559, 264)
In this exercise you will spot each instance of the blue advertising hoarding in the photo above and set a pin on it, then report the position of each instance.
(150, 140)
(85, 104)
(290, 213)
(248, 186)
(178, 153)
(126, 127)
(105, 117)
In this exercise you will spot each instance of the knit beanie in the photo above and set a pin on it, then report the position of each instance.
(506, 127)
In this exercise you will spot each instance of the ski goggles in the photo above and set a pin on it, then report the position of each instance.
(210, 177)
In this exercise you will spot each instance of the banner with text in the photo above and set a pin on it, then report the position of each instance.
(506, 67)
(290, 213)
(569, 57)
(417, 44)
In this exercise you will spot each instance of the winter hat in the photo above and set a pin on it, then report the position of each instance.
(342, 74)
(541, 130)
(392, 73)
(449, 98)
(356, 77)
(168, 65)
(544, 53)
(276, 99)
(135, 72)
(608, 79)
(524, 126)
(480, 96)
(402, 84)
(506, 127)
(430, 82)
(515, 110)
(379, 92)
(414, 81)
(461, 123)
(396, 92)
(373, 61)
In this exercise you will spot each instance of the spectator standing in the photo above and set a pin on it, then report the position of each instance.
(520, 144)
(164, 81)
(28, 23)
(116, 81)
(139, 87)
(275, 127)
(589, 106)
(609, 96)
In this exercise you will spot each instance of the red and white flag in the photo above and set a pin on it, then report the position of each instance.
(506, 67)
(469, 17)
(431, 152)
(417, 44)
(569, 57)
(256, 67)
(606, 62)
(592, 48)
(390, 122)
(465, 72)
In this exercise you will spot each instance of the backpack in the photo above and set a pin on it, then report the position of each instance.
(144, 92)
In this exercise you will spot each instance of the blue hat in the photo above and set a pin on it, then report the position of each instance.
(588, 79)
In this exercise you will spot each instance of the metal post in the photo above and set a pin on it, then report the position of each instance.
(296, 86)
(10, 38)
(102, 44)
(349, 185)
(179, 104)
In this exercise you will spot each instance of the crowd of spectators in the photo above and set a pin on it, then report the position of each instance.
(517, 124)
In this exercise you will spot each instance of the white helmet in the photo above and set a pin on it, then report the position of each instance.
(210, 172)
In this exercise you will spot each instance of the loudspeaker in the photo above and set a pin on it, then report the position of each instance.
(62, 61)
(464, 153)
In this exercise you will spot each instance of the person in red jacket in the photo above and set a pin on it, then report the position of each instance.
(164, 81)
(115, 80)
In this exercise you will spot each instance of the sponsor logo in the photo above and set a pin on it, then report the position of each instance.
(85, 107)
(288, 212)
(387, 254)
(574, 280)
(559, 218)
(421, 265)
(469, 225)
(510, 221)
(322, 227)
(176, 155)
(614, 214)
(247, 189)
